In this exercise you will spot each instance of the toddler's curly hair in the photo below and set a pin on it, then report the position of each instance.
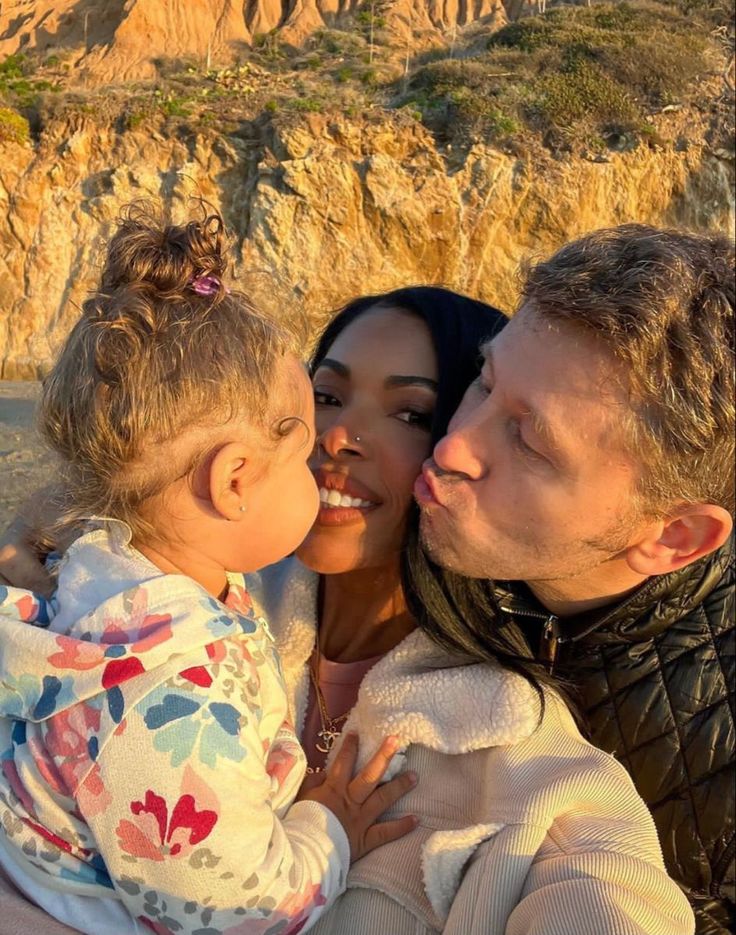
(161, 347)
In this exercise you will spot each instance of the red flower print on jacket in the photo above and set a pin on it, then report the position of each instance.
(281, 760)
(136, 632)
(238, 599)
(155, 834)
(71, 741)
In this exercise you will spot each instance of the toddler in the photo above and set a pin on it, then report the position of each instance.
(149, 768)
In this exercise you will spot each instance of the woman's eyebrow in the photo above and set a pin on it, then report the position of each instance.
(395, 381)
(340, 369)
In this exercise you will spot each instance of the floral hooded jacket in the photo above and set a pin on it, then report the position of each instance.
(147, 753)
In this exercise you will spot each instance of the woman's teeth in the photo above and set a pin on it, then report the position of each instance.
(334, 499)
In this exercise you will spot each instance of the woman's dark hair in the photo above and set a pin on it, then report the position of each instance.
(460, 614)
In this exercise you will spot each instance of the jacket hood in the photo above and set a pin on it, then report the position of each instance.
(44, 672)
(116, 637)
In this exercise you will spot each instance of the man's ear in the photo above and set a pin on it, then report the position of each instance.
(231, 472)
(669, 544)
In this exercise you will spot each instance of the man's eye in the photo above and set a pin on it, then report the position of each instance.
(325, 399)
(480, 387)
(422, 420)
(526, 450)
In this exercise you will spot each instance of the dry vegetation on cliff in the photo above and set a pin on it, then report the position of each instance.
(591, 77)
(576, 79)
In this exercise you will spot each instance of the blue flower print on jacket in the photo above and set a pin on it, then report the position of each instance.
(184, 721)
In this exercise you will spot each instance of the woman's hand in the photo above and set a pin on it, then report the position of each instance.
(20, 565)
(358, 802)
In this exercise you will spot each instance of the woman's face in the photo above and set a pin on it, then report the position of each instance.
(374, 396)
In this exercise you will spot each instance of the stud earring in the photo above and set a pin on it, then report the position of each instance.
(241, 508)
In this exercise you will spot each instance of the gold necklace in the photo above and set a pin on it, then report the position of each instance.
(331, 726)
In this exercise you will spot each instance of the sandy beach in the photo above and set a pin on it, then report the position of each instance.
(24, 463)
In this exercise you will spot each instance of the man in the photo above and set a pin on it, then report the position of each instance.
(590, 472)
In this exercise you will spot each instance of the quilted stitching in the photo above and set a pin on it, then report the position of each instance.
(664, 705)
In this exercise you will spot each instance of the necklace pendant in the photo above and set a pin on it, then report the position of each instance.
(328, 739)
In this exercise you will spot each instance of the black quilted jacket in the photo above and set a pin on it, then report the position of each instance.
(655, 676)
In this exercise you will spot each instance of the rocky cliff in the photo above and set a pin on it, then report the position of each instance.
(322, 210)
(119, 40)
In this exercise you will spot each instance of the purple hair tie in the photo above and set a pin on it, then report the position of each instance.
(206, 285)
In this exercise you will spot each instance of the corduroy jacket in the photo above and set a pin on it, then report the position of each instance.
(655, 675)
(524, 827)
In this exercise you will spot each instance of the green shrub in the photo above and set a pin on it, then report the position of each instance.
(134, 119)
(463, 93)
(13, 66)
(269, 45)
(17, 86)
(585, 93)
(330, 40)
(603, 65)
(13, 127)
(172, 106)
(658, 72)
(306, 105)
(364, 18)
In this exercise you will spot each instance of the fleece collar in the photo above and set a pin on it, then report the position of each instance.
(416, 691)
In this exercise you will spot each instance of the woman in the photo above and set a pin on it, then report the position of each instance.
(524, 828)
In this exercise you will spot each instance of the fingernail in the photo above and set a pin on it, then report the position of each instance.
(413, 778)
(392, 743)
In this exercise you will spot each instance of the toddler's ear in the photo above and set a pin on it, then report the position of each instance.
(231, 472)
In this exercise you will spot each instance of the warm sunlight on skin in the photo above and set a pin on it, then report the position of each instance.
(532, 481)
(376, 383)
(208, 533)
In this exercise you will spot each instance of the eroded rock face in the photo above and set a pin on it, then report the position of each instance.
(109, 41)
(321, 213)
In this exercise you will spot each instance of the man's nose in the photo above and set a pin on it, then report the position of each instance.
(458, 452)
(454, 454)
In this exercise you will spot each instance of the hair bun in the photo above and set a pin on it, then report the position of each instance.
(146, 252)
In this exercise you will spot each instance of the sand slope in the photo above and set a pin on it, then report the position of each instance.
(24, 464)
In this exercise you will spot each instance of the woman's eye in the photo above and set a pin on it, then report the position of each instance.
(322, 398)
(422, 420)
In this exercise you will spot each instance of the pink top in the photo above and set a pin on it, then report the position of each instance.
(339, 683)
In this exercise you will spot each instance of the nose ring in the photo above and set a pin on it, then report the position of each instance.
(357, 438)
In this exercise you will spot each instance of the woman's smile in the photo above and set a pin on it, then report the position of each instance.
(343, 499)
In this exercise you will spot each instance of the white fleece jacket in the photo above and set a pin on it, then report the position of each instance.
(525, 828)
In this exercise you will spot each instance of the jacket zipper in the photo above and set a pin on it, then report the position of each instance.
(551, 637)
